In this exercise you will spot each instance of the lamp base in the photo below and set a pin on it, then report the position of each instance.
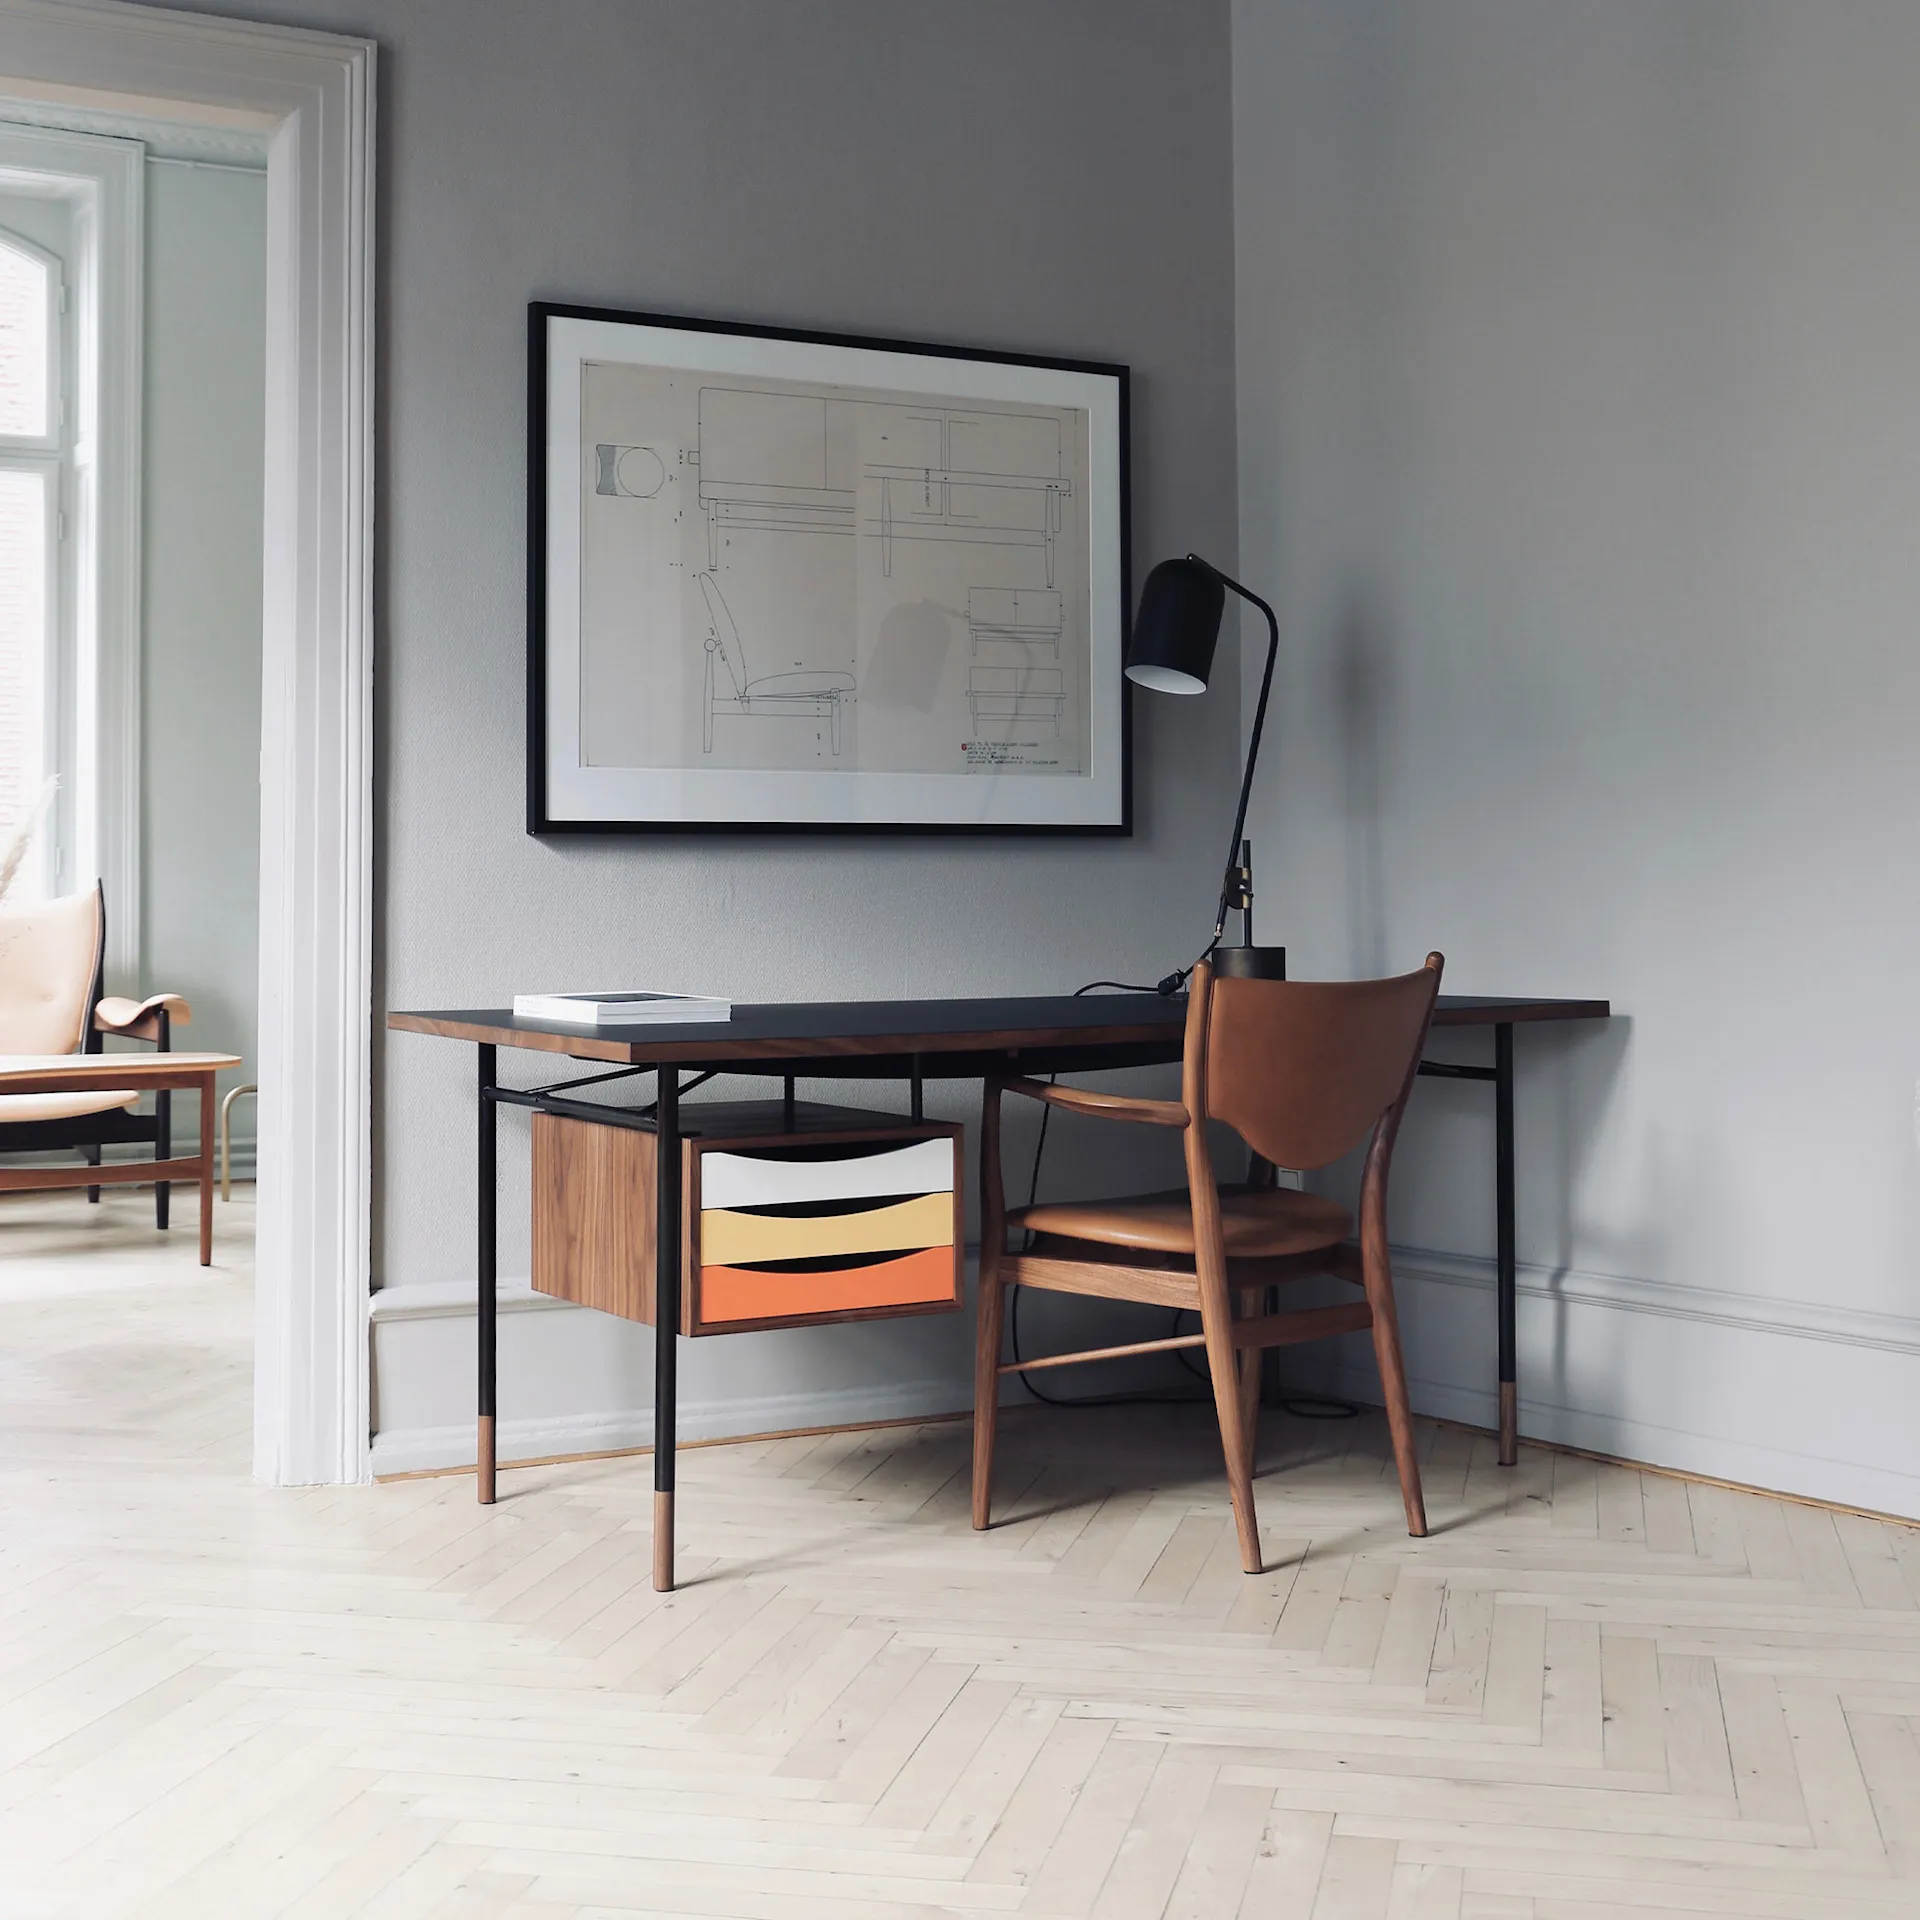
(1250, 963)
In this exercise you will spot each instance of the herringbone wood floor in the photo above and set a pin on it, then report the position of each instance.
(1592, 1693)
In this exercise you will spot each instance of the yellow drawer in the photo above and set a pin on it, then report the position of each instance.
(729, 1238)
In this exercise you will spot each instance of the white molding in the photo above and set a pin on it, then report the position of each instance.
(1794, 1319)
(314, 93)
(1782, 1395)
(455, 1300)
(167, 140)
(422, 1449)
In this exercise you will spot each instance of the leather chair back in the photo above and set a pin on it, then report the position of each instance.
(49, 962)
(1303, 1070)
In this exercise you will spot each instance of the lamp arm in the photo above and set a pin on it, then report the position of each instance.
(1253, 741)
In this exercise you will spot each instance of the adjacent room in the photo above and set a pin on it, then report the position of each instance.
(945, 962)
(132, 352)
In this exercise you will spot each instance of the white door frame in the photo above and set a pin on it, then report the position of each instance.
(314, 93)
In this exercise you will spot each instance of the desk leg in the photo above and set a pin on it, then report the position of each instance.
(206, 1170)
(162, 1150)
(1504, 1241)
(486, 1268)
(666, 1328)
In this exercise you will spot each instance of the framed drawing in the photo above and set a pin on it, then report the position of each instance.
(805, 581)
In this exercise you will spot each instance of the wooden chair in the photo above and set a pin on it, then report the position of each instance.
(1303, 1071)
(51, 1003)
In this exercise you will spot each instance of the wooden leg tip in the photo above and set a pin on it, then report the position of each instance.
(662, 1542)
(1509, 1423)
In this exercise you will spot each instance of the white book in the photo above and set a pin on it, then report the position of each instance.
(620, 1009)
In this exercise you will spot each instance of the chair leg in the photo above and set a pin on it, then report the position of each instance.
(1249, 1299)
(1223, 1363)
(1250, 1407)
(986, 1385)
(1393, 1382)
(91, 1155)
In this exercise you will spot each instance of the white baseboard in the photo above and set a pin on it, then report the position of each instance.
(420, 1449)
(1776, 1394)
(454, 1300)
(1822, 1402)
(573, 1381)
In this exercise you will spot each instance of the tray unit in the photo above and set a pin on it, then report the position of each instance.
(792, 1217)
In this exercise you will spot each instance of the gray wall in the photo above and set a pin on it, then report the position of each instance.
(1578, 395)
(1049, 177)
(204, 435)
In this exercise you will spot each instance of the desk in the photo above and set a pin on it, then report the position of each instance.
(102, 1072)
(914, 1041)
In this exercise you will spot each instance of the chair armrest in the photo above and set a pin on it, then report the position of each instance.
(140, 1019)
(1103, 1106)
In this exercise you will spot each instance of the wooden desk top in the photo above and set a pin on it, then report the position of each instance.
(949, 1036)
(83, 1072)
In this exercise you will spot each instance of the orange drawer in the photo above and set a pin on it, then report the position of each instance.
(923, 1278)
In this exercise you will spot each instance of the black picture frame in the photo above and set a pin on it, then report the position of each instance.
(542, 819)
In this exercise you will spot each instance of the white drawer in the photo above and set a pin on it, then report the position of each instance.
(753, 1180)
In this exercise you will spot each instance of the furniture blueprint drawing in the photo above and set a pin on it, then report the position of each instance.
(629, 473)
(818, 695)
(1004, 698)
(1026, 617)
(993, 479)
(767, 462)
(758, 550)
(782, 463)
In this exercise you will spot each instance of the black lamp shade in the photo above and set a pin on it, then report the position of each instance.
(1177, 627)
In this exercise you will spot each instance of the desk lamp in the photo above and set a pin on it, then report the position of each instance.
(1172, 652)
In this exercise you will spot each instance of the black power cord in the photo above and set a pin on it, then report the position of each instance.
(1310, 1406)
(1033, 1194)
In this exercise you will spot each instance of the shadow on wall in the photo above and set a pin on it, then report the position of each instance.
(1583, 1065)
(1363, 694)
(910, 656)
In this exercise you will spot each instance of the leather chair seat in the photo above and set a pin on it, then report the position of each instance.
(1256, 1223)
(33, 1108)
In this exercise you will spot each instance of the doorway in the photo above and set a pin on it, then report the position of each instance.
(310, 96)
(132, 449)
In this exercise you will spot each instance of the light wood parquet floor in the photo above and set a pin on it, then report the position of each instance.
(1592, 1693)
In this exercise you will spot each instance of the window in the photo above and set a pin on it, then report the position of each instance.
(32, 430)
(70, 303)
(35, 474)
(29, 310)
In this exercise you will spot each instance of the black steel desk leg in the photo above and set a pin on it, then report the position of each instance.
(666, 1324)
(1504, 1242)
(487, 1209)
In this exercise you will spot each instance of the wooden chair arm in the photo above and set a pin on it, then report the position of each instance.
(140, 1019)
(1102, 1106)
